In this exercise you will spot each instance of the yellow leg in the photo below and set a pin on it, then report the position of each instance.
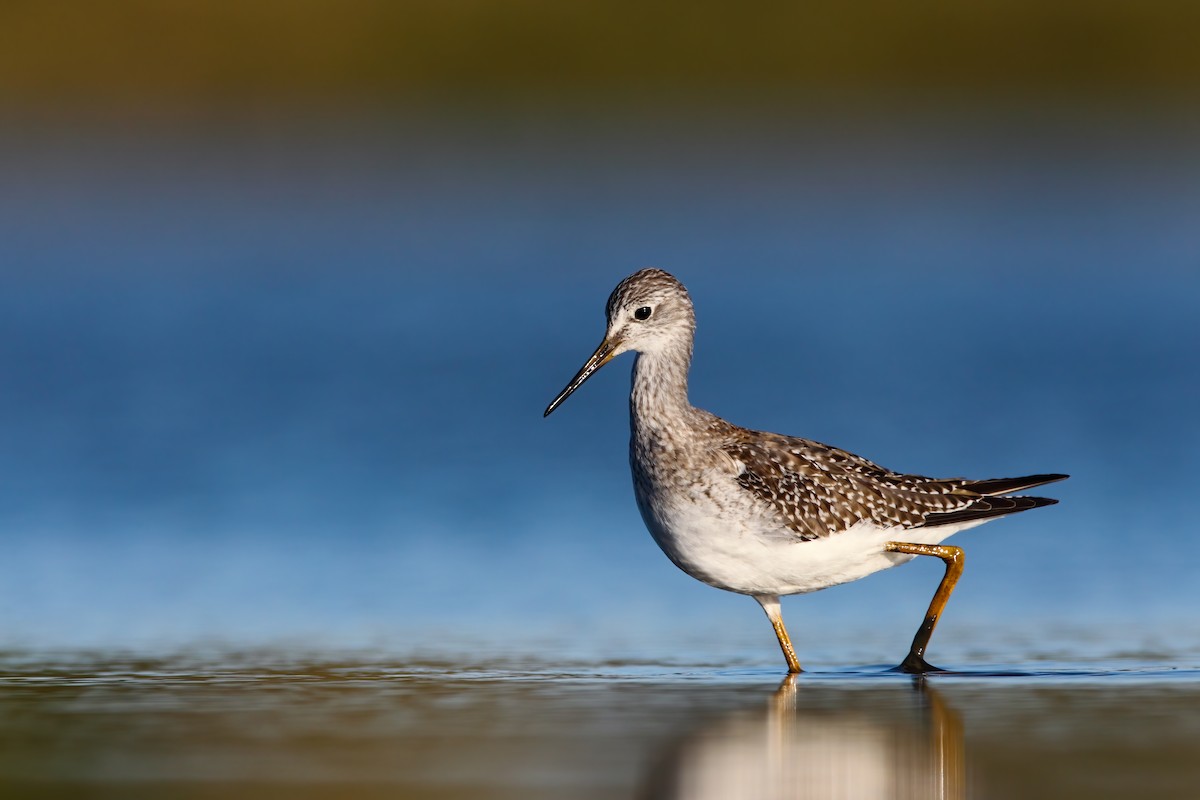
(953, 556)
(770, 604)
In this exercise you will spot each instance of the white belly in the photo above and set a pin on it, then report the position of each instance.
(752, 554)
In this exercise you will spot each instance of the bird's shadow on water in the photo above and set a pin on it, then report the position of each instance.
(803, 741)
(870, 731)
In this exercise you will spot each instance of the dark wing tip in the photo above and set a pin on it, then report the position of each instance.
(987, 508)
(997, 486)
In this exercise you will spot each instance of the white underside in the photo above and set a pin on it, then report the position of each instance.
(755, 557)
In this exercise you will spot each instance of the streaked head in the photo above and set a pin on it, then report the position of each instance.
(649, 311)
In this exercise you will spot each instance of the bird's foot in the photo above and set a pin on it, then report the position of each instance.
(914, 664)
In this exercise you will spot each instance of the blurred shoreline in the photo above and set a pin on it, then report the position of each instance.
(188, 53)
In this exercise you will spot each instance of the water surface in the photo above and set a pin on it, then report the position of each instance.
(272, 726)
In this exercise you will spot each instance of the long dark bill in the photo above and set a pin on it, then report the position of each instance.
(602, 356)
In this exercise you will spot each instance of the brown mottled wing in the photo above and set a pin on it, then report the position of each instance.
(820, 490)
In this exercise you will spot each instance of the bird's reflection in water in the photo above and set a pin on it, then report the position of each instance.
(821, 742)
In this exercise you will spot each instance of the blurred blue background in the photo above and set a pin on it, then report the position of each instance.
(275, 355)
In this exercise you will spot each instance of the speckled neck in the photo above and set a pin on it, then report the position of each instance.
(658, 401)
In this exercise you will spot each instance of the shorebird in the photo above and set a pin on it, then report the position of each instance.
(763, 514)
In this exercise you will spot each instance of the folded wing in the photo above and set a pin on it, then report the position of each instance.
(818, 490)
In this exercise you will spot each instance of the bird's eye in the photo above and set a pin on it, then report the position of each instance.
(642, 313)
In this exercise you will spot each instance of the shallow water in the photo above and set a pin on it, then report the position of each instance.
(276, 726)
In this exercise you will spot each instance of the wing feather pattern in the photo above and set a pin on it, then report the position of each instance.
(820, 490)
